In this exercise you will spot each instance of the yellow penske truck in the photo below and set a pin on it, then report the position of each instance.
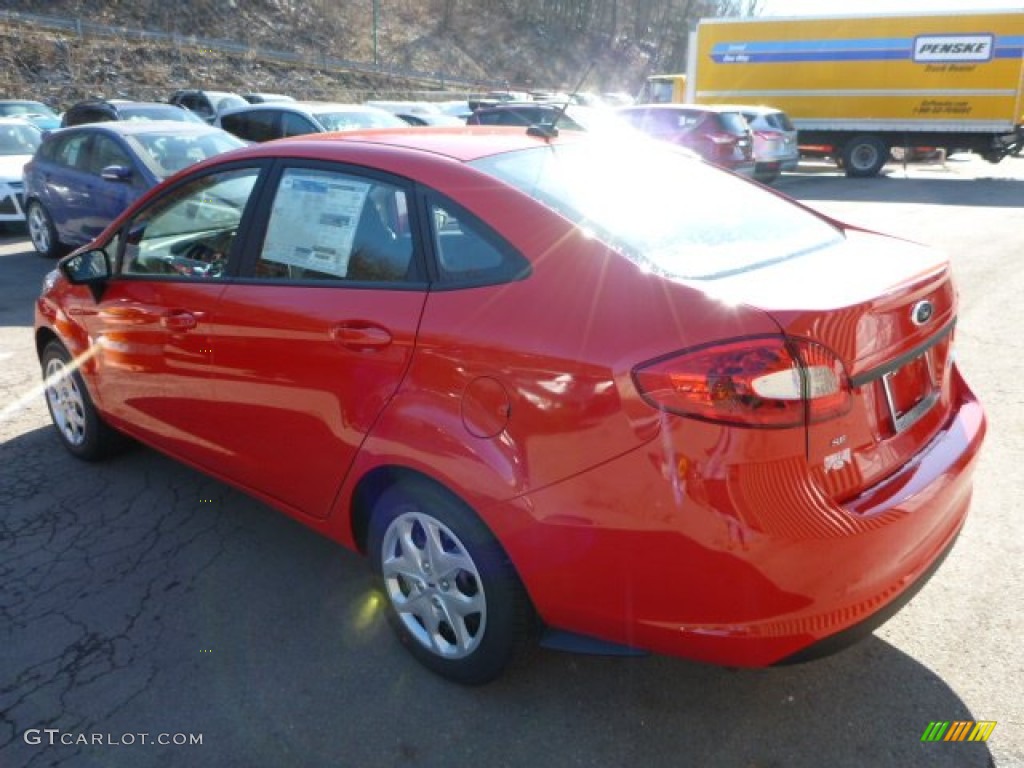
(866, 84)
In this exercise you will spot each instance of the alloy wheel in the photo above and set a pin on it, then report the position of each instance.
(66, 402)
(434, 585)
(39, 229)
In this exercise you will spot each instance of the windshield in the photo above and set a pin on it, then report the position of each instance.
(354, 120)
(168, 153)
(18, 108)
(664, 210)
(19, 139)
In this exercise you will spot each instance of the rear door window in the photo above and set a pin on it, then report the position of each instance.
(468, 252)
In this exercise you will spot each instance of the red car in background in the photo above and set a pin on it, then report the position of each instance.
(606, 392)
(719, 134)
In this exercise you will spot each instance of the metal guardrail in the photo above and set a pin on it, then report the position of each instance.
(82, 28)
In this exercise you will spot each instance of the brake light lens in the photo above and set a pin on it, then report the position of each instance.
(771, 382)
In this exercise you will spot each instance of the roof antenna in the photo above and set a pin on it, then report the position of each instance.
(551, 131)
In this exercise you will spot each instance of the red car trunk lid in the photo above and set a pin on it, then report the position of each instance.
(886, 308)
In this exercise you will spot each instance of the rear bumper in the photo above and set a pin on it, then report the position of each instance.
(778, 164)
(745, 168)
(675, 555)
(856, 633)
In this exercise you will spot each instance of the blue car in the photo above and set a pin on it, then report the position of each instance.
(82, 178)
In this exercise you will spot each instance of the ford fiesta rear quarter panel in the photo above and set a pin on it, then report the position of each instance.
(642, 527)
(691, 546)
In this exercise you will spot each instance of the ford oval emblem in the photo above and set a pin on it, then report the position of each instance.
(922, 312)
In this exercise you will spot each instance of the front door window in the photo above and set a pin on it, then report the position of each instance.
(190, 233)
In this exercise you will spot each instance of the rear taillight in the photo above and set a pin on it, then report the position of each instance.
(723, 138)
(769, 135)
(769, 381)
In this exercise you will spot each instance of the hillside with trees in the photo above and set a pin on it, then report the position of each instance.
(446, 44)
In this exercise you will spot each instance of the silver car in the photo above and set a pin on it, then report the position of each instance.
(775, 142)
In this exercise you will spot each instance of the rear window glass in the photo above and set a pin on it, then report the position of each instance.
(781, 121)
(733, 122)
(667, 212)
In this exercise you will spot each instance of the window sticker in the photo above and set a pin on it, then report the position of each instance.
(313, 221)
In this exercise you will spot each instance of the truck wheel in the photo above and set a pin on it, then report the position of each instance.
(864, 156)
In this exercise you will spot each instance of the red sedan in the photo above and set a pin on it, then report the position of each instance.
(614, 397)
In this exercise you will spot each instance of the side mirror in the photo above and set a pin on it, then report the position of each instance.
(90, 268)
(116, 173)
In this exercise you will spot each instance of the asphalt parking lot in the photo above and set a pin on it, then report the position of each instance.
(143, 602)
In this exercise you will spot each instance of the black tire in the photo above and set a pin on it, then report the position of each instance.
(458, 607)
(42, 232)
(79, 425)
(865, 156)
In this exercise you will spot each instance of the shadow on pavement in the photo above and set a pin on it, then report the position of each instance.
(143, 597)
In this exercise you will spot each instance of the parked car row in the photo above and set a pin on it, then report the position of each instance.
(755, 141)
(113, 150)
(752, 141)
